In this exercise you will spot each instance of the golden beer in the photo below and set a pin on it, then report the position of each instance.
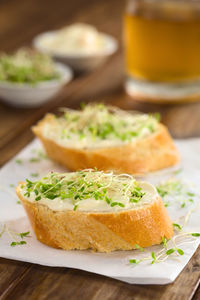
(162, 41)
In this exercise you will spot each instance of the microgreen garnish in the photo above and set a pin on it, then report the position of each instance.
(180, 251)
(24, 234)
(27, 67)
(195, 234)
(39, 155)
(153, 257)
(173, 250)
(171, 247)
(86, 184)
(157, 116)
(14, 236)
(100, 122)
(117, 203)
(178, 171)
(18, 161)
(136, 194)
(17, 243)
(82, 105)
(164, 242)
(166, 251)
(177, 226)
(183, 204)
(75, 207)
(139, 248)
(134, 261)
(176, 191)
(34, 159)
(34, 174)
(190, 194)
(170, 251)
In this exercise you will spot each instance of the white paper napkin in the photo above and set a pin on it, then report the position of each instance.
(116, 264)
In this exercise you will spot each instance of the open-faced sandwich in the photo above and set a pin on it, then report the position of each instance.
(107, 138)
(90, 209)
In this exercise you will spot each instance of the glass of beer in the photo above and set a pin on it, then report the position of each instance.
(162, 50)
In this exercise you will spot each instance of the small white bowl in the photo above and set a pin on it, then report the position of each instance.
(27, 95)
(80, 62)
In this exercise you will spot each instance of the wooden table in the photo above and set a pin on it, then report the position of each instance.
(20, 21)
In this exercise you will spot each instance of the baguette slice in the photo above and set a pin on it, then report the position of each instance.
(151, 153)
(103, 231)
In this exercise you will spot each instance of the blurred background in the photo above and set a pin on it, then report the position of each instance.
(23, 20)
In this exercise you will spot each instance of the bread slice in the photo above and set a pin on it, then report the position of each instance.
(96, 223)
(150, 151)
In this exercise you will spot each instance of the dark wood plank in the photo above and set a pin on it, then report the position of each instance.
(63, 283)
(197, 294)
(10, 273)
(29, 18)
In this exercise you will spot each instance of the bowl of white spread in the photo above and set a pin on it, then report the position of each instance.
(80, 46)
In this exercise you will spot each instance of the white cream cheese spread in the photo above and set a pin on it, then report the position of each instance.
(89, 190)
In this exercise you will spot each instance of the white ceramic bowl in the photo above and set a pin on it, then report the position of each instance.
(80, 62)
(27, 95)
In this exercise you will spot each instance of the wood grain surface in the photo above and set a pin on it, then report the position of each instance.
(20, 21)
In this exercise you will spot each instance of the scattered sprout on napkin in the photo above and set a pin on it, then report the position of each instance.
(17, 238)
(176, 190)
(170, 247)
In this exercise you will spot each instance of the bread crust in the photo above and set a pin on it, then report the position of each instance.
(99, 231)
(149, 154)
